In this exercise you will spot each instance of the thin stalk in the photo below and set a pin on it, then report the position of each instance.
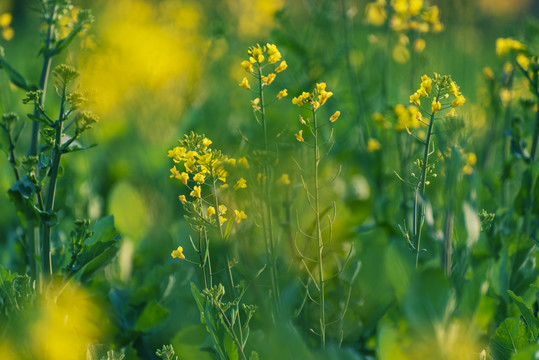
(270, 247)
(448, 239)
(12, 157)
(207, 257)
(421, 185)
(535, 138)
(319, 235)
(51, 194)
(202, 264)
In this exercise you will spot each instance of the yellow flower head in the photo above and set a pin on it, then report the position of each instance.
(240, 215)
(321, 87)
(205, 143)
(487, 71)
(436, 106)
(178, 253)
(266, 80)
(299, 136)
(196, 192)
(426, 83)
(376, 13)
(373, 145)
(419, 45)
(459, 101)
(182, 198)
(505, 45)
(5, 20)
(454, 89)
(241, 184)
(415, 98)
(174, 173)
(243, 162)
(199, 178)
(273, 53)
(254, 104)
(282, 66)
(222, 209)
(283, 93)
(210, 211)
(247, 65)
(222, 220)
(183, 177)
(322, 98)
(335, 116)
(244, 84)
(284, 180)
(256, 54)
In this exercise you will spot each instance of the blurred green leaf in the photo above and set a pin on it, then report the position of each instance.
(21, 194)
(510, 337)
(187, 343)
(399, 269)
(152, 317)
(230, 347)
(129, 209)
(531, 321)
(15, 77)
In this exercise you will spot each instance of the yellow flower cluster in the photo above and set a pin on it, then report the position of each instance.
(5, 25)
(407, 117)
(258, 55)
(505, 45)
(408, 15)
(318, 98)
(203, 165)
(445, 87)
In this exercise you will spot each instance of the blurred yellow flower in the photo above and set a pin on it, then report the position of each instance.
(196, 192)
(282, 66)
(335, 116)
(241, 184)
(459, 101)
(376, 13)
(174, 173)
(222, 220)
(419, 45)
(182, 198)
(454, 89)
(205, 143)
(415, 99)
(5, 19)
(183, 177)
(178, 253)
(254, 104)
(284, 180)
(299, 136)
(222, 209)
(8, 33)
(240, 215)
(436, 106)
(505, 45)
(523, 61)
(487, 71)
(283, 93)
(373, 145)
(266, 80)
(199, 178)
(243, 162)
(244, 84)
(210, 211)
(247, 65)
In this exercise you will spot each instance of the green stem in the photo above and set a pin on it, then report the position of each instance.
(270, 248)
(202, 262)
(421, 185)
(51, 194)
(319, 234)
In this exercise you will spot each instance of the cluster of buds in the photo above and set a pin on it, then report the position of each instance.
(444, 87)
(203, 165)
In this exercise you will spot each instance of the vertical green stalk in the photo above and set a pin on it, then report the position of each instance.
(421, 185)
(202, 257)
(51, 193)
(268, 233)
(319, 234)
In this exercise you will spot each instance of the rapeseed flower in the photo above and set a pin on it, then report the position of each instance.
(244, 84)
(282, 66)
(196, 192)
(299, 136)
(283, 93)
(373, 145)
(210, 211)
(241, 184)
(335, 116)
(178, 253)
(436, 106)
(240, 215)
(284, 180)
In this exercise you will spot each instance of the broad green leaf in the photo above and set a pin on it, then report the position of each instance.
(254, 356)
(212, 327)
(21, 194)
(15, 77)
(399, 269)
(187, 343)
(129, 209)
(530, 352)
(94, 258)
(104, 231)
(510, 337)
(152, 317)
(231, 348)
(531, 321)
(198, 297)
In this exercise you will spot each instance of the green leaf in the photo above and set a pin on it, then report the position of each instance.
(152, 317)
(212, 327)
(510, 337)
(531, 321)
(198, 298)
(530, 352)
(15, 77)
(399, 269)
(22, 195)
(231, 348)
(104, 230)
(254, 356)
(187, 343)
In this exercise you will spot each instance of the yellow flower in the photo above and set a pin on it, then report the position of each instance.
(190, 166)
(436, 106)
(414, 98)
(243, 162)
(245, 84)
(8, 33)
(205, 143)
(199, 178)
(505, 45)
(256, 54)
(182, 198)
(222, 220)
(471, 159)
(254, 104)
(282, 66)
(247, 65)
(183, 177)
(415, 7)
(376, 13)
(284, 180)
(299, 136)
(322, 98)
(174, 173)
(191, 155)
(5, 20)
(196, 192)
(210, 211)
(419, 45)
(240, 215)
(523, 61)
(426, 83)
(268, 79)
(454, 89)
(321, 87)
(459, 101)
(506, 96)
(178, 253)
(205, 160)
(222, 209)
(487, 71)
(274, 54)
(372, 145)
(335, 116)
(231, 161)
(452, 113)
(241, 184)
(282, 94)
